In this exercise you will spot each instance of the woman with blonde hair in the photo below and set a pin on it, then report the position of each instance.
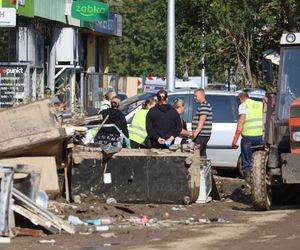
(179, 105)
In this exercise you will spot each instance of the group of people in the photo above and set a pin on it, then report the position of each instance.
(158, 124)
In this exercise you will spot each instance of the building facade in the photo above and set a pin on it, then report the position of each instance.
(49, 50)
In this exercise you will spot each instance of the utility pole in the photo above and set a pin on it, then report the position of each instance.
(202, 62)
(171, 46)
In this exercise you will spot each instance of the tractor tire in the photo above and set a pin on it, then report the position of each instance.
(260, 191)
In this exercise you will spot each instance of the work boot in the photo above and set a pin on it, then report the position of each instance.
(247, 177)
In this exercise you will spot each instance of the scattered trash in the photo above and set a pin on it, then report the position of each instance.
(47, 241)
(75, 220)
(204, 221)
(153, 221)
(111, 200)
(219, 220)
(166, 215)
(102, 228)
(4, 240)
(108, 235)
(85, 233)
(179, 209)
(139, 220)
(101, 221)
(77, 199)
(42, 199)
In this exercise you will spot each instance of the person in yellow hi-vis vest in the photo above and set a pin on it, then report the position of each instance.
(137, 129)
(250, 125)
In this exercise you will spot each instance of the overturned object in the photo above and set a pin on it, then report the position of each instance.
(28, 126)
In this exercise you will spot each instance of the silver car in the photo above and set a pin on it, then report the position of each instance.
(225, 117)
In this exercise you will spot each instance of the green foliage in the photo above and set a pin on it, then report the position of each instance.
(231, 35)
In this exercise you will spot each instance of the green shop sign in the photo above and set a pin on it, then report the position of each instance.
(90, 11)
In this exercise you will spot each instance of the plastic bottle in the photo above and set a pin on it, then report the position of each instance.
(168, 143)
(75, 220)
(101, 221)
(139, 220)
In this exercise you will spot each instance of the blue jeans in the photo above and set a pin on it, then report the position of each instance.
(246, 143)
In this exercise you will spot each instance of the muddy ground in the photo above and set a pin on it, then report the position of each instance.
(167, 223)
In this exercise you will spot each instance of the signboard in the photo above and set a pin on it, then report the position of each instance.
(89, 11)
(111, 26)
(20, 2)
(24, 8)
(13, 85)
(7, 17)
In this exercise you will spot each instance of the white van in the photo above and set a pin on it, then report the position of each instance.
(225, 117)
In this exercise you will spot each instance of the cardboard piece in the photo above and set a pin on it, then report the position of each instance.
(45, 165)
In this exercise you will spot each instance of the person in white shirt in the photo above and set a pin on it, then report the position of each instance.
(106, 103)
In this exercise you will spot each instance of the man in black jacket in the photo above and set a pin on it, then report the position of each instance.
(163, 122)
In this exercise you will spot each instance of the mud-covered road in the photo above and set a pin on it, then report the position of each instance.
(227, 224)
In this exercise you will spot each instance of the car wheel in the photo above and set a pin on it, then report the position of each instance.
(240, 168)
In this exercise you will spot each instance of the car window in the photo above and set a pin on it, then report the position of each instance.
(185, 98)
(132, 103)
(224, 108)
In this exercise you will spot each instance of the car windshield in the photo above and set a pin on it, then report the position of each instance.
(289, 82)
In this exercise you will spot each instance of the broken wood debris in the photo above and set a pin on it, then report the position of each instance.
(38, 215)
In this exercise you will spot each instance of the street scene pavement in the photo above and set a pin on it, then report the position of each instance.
(230, 223)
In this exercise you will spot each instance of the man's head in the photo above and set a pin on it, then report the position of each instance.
(243, 96)
(199, 95)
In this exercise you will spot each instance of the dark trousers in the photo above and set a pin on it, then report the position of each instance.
(202, 142)
(134, 144)
(246, 143)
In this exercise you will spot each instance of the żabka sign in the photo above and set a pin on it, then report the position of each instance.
(90, 11)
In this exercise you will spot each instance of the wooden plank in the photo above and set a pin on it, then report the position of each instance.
(35, 219)
(42, 213)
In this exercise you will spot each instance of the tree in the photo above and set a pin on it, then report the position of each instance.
(141, 50)
(230, 34)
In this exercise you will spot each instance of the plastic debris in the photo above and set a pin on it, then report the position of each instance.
(101, 221)
(75, 220)
(108, 235)
(52, 241)
(219, 220)
(179, 209)
(204, 221)
(111, 200)
(102, 228)
(139, 220)
(42, 199)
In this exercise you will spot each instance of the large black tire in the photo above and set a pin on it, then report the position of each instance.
(260, 190)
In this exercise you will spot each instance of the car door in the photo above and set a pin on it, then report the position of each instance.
(225, 116)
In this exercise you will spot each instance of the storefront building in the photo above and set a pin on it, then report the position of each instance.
(48, 49)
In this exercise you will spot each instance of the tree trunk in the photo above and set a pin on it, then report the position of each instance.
(290, 15)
